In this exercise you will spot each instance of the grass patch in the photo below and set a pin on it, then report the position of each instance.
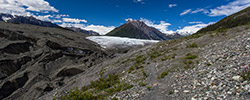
(163, 74)
(154, 55)
(149, 88)
(170, 92)
(208, 64)
(142, 84)
(99, 89)
(190, 56)
(193, 45)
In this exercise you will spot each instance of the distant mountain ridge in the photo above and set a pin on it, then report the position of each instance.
(25, 20)
(234, 20)
(88, 32)
(139, 30)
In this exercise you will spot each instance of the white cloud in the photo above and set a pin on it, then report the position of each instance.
(61, 15)
(129, 19)
(99, 28)
(163, 26)
(172, 5)
(44, 18)
(23, 7)
(102, 30)
(200, 10)
(74, 20)
(195, 22)
(139, 1)
(186, 12)
(188, 30)
(230, 8)
(72, 25)
(36, 5)
(56, 21)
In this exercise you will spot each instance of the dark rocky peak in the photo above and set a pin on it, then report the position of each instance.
(88, 32)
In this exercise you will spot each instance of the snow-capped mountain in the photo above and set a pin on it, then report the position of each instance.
(25, 20)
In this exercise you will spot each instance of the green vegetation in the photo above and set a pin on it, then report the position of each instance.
(138, 61)
(244, 72)
(142, 84)
(114, 98)
(193, 45)
(208, 64)
(144, 73)
(173, 56)
(163, 74)
(154, 55)
(169, 70)
(99, 89)
(219, 30)
(149, 88)
(165, 58)
(170, 92)
(190, 56)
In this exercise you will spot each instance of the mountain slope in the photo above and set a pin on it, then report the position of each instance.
(25, 20)
(139, 30)
(200, 66)
(35, 60)
(237, 19)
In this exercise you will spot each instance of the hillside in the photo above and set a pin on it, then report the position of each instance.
(35, 60)
(189, 68)
(212, 65)
(139, 30)
(234, 20)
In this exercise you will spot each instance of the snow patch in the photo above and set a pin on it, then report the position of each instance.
(5, 19)
(110, 41)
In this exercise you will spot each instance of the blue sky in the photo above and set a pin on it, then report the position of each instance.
(183, 16)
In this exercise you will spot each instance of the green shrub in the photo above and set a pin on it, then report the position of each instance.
(163, 74)
(190, 62)
(144, 73)
(149, 88)
(208, 64)
(114, 98)
(170, 92)
(140, 59)
(193, 45)
(190, 56)
(142, 84)
(97, 90)
(155, 54)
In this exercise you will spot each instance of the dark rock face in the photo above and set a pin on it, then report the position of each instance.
(83, 31)
(17, 48)
(139, 30)
(26, 20)
(69, 72)
(9, 67)
(10, 86)
(45, 55)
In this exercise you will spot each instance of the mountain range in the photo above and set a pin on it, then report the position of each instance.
(54, 63)
(34, 21)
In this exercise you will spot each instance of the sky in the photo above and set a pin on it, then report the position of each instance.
(102, 16)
